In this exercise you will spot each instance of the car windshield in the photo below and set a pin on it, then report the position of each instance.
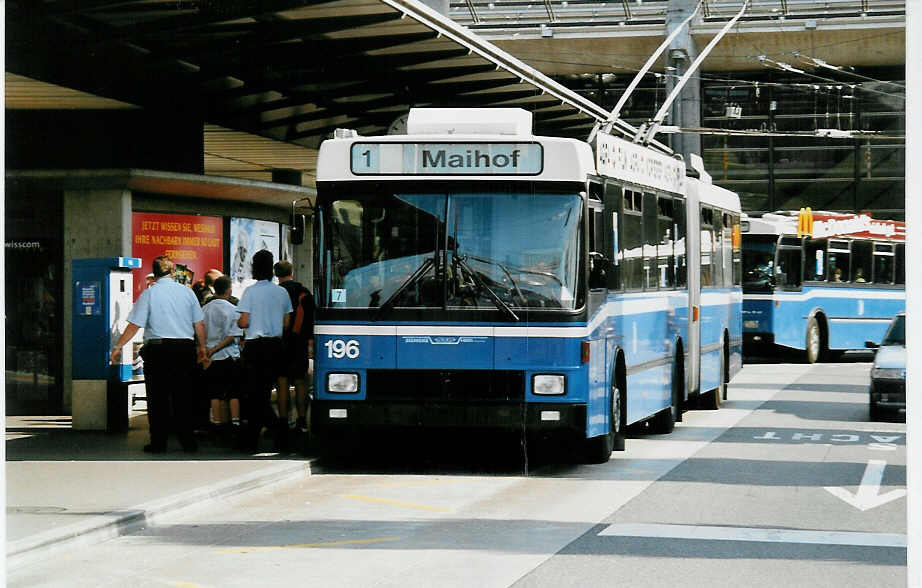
(896, 334)
(504, 249)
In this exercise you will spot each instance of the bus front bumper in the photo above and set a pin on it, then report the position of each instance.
(534, 417)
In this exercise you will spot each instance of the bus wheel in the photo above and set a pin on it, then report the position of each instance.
(814, 341)
(598, 449)
(617, 418)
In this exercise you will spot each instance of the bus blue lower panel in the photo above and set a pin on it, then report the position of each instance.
(655, 386)
(852, 315)
(710, 369)
(721, 324)
(853, 333)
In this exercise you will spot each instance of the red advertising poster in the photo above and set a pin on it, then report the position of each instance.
(195, 243)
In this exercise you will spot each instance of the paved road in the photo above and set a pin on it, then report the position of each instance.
(787, 484)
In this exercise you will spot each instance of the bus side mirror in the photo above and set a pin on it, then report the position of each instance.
(296, 230)
(871, 345)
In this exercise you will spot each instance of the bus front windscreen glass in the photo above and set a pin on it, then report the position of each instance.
(453, 250)
(758, 261)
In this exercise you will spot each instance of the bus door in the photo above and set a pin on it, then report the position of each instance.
(693, 248)
(612, 199)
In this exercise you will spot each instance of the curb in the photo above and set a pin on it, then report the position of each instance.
(24, 551)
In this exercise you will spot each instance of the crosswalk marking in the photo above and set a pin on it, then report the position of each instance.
(760, 535)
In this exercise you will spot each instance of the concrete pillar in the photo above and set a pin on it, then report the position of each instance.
(686, 110)
(97, 223)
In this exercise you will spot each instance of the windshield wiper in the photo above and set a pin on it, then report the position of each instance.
(427, 264)
(480, 284)
(416, 275)
(512, 281)
(518, 269)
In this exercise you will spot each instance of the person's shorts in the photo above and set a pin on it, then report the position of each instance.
(224, 377)
(295, 364)
(263, 362)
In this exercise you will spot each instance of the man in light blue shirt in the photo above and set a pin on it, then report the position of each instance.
(265, 310)
(172, 320)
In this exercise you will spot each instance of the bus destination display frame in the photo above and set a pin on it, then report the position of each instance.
(446, 158)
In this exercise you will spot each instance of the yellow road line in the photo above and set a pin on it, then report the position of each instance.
(309, 545)
(411, 483)
(397, 503)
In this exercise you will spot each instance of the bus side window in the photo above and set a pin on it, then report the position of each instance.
(883, 263)
(614, 270)
(900, 263)
(651, 274)
(815, 260)
(632, 241)
(612, 199)
(598, 260)
(717, 260)
(790, 261)
(861, 261)
(664, 248)
(789, 264)
(681, 272)
(707, 216)
(727, 253)
(838, 265)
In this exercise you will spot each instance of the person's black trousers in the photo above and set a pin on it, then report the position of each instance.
(169, 379)
(261, 360)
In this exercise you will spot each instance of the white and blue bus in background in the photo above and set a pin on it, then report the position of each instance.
(821, 282)
(471, 275)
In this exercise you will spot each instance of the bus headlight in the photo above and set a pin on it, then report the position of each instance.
(549, 384)
(342, 383)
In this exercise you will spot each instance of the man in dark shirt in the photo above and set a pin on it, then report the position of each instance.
(298, 342)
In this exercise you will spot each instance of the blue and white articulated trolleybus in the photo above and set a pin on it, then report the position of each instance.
(821, 282)
(470, 274)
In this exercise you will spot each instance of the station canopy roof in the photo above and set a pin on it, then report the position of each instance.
(271, 78)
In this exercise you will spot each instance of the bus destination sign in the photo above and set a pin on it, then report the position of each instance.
(616, 157)
(447, 159)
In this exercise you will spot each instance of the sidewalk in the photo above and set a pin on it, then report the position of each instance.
(67, 487)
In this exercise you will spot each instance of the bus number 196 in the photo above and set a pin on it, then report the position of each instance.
(337, 348)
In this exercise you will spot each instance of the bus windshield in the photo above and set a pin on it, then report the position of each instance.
(758, 261)
(391, 249)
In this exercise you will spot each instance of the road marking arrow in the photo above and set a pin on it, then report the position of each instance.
(868, 495)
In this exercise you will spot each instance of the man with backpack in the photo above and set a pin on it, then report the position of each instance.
(297, 342)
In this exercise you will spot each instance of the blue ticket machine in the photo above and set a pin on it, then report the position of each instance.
(102, 300)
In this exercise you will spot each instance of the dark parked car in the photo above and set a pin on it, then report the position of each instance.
(888, 374)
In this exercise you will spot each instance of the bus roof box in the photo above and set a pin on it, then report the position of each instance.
(469, 121)
(697, 164)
